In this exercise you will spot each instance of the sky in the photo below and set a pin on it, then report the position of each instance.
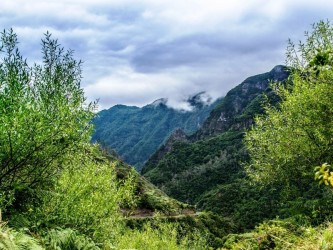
(137, 51)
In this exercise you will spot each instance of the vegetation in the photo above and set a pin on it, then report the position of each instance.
(43, 117)
(136, 133)
(291, 139)
(160, 236)
(58, 191)
(206, 169)
(199, 166)
(14, 240)
(283, 234)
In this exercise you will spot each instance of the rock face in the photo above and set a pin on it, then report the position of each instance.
(189, 167)
(232, 112)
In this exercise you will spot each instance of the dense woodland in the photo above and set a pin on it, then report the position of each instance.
(257, 175)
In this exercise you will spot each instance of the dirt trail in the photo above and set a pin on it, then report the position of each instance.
(144, 214)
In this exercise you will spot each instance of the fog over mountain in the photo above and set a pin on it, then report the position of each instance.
(136, 133)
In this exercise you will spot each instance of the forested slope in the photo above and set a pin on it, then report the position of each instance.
(136, 133)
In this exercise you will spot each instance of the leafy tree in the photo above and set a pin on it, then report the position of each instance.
(43, 115)
(290, 139)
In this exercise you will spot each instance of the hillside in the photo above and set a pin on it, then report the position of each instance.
(136, 133)
(195, 168)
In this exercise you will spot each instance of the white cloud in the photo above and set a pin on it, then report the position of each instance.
(138, 88)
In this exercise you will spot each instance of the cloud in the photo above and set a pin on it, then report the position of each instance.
(137, 51)
(138, 88)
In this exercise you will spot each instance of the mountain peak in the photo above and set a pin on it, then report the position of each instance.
(159, 102)
(279, 68)
(199, 100)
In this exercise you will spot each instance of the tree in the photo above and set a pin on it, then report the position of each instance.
(43, 115)
(289, 140)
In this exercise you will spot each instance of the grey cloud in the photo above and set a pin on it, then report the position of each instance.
(109, 37)
(201, 49)
(120, 14)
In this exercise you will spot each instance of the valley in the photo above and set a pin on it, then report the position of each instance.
(251, 170)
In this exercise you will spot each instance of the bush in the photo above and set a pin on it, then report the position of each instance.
(68, 239)
(283, 234)
(43, 117)
(164, 236)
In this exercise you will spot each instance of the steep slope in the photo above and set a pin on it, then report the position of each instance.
(136, 133)
(196, 167)
(241, 103)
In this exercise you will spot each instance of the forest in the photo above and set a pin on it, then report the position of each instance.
(60, 191)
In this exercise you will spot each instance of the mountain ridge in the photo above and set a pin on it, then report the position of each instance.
(136, 133)
(236, 111)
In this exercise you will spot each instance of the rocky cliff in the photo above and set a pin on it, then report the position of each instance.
(240, 104)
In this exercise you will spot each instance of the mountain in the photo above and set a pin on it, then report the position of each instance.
(204, 168)
(136, 133)
(242, 103)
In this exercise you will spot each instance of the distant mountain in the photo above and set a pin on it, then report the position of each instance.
(136, 133)
(204, 169)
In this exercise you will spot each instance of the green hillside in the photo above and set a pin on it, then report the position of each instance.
(136, 133)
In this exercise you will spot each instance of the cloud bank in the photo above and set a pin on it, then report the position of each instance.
(135, 52)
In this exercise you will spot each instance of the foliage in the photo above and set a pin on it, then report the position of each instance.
(146, 196)
(54, 184)
(68, 239)
(296, 134)
(199, 166)
(14, 240)
(212, 227)
(155, 200)
(239, 201)
(43, 116)
(294, 233)
(315, 55)
(160, 236)
(324, 174)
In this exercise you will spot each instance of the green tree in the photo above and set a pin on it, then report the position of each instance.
(43, 115)
(289, 140)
